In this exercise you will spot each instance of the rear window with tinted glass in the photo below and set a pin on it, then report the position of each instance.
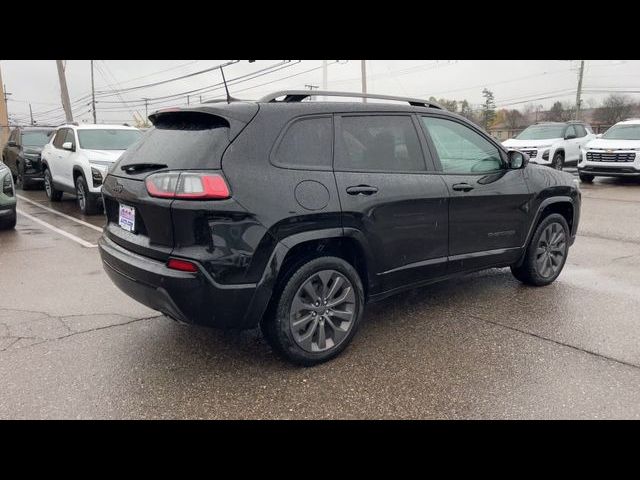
(183, 140)
(378, 143)
(307, 143)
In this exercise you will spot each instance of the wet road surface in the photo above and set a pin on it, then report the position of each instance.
(484, 346)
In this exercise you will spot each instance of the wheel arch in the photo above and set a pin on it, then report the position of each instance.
(77, 171)
(305, 246)
(562, 205)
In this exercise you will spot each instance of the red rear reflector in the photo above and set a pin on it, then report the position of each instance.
(188, 185)
(181, 265)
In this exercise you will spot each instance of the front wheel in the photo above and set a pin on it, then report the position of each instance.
(558, 161)
(585, 177)
(21, 182)
(87, 202)
(52, 193)
(546, 254)
(317, 312)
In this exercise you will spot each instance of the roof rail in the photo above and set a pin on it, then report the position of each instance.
(299, 95)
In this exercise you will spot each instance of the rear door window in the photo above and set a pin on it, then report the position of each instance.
(307, 143)
(378, 143)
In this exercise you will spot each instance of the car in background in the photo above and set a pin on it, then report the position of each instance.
(77, 158)
(554, 144)
(22, 155)
(615, 154)
(7, 199)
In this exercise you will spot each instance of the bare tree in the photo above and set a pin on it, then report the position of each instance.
(513, 119)
(560, 112)
(614, 109)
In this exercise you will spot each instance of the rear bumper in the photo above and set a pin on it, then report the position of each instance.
(186, 297)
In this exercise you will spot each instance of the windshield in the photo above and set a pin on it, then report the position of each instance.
(540, 132)
(38, 138)
(623, 132)
(105, 139)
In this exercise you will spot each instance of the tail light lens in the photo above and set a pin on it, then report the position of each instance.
(182, 265)
(188, 185)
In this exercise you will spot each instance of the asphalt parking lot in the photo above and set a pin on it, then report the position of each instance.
(484, 346)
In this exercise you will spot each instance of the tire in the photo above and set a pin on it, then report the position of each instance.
(52, 193)
(21, 182)
(541, 266)
(558, 161)
(585, 177)
(87, 202)
(9, 223)
(318, 337)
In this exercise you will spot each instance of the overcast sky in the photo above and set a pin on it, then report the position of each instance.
(514, 83)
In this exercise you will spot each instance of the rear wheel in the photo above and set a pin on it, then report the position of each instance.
(87, 201)
(558, 161)
(9, 222)
(585, 177)
(546, 254)
(317, 311)
(53, 194)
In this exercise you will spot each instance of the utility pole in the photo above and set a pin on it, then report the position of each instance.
(325, 75)
(64, 92)
(4, 114)
(187, 100)
(579, 92)
(363, 67)
(31, 115)
(146, 109)
(93, 95)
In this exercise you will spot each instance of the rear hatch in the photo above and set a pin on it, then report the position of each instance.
(181, 140)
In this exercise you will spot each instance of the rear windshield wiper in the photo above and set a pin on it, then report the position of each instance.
(141, 167)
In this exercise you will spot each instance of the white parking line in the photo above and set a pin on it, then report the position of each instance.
(82, 242)
(86, 224)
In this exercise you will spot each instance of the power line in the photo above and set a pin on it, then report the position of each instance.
(162, 82)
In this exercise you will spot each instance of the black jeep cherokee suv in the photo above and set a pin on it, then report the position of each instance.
(292, 215)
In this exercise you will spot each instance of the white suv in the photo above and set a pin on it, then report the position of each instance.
(555, 144)
(615, 154)
(77, 158)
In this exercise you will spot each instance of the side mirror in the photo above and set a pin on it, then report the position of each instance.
(517, 159)
(11, 143)
(570, 136)
(68, 146)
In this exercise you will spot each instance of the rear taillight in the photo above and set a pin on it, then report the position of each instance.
(182, 265)
(188, 185)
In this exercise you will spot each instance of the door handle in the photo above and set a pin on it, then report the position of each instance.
(462, 187)
(362, 190)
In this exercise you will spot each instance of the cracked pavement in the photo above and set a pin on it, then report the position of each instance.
(483, 346)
